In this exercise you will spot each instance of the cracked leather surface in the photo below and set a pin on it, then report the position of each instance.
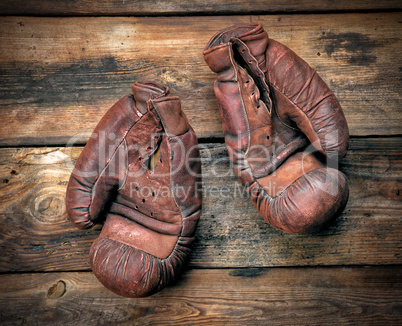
(284, 128)
(140, 175)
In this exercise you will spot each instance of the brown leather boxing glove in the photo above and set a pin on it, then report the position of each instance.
(273, 107)
(140, 173)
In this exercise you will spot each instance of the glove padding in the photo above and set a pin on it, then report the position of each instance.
(139, 173)
(276, 112)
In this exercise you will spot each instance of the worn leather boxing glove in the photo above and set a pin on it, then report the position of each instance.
(140, 174)
(273, 106)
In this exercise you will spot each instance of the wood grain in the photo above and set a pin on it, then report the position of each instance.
(36, 234)
(306, 296)
(178, 7)
(158, 7)
(58, 76)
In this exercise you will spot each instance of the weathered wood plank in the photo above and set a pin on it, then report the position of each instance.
(306, 296)
(58, 76)
(158, 7)
(35, 234)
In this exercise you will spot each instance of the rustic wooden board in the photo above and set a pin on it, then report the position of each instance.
(158, 7)
(58, 76)
(307, 296)
(36, 235)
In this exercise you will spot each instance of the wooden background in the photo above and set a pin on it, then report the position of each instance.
(64, 63)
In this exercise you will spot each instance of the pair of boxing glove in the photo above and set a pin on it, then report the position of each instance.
(140, 172)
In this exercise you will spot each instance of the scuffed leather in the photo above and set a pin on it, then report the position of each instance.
(276, 111)
(150, 212)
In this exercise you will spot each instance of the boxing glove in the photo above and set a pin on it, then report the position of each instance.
(140, 175)
(284, 128)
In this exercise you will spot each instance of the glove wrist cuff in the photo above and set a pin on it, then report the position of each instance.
(172, 117)
(144, 91)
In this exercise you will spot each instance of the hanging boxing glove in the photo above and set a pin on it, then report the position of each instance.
(278, 115)
(139, 173)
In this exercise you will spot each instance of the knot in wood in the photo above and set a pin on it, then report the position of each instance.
(57, 290)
